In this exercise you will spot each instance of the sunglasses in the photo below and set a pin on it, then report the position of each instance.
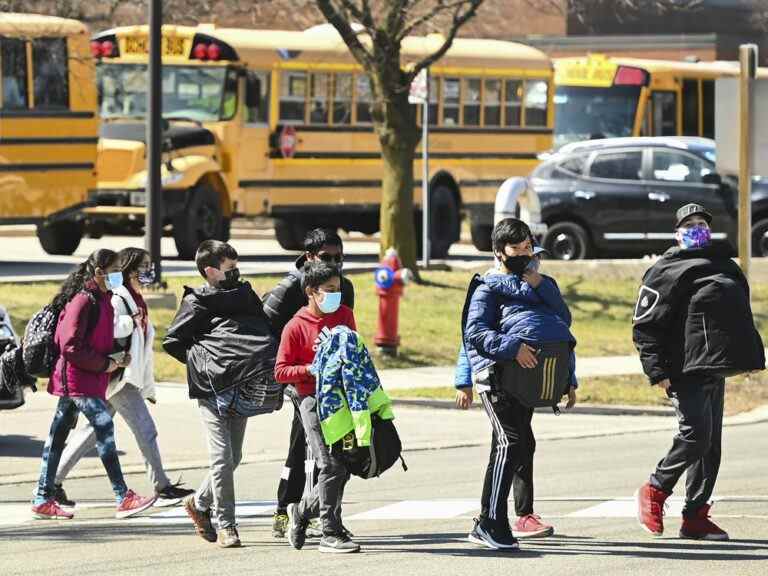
(331, 258)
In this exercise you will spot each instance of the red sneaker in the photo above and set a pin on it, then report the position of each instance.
(50, 510)
(700, 527)
(133, 504)
(531, 526)
(650, 508)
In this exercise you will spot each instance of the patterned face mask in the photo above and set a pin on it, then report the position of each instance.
(696, 236)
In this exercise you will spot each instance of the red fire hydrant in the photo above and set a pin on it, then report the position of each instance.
(390, 279)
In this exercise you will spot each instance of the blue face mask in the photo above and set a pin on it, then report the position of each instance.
(114, 280)
(147, 277)
(696, 236)
(330, 303)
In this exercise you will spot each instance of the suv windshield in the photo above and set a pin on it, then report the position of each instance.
(192, 92)
(584, 113)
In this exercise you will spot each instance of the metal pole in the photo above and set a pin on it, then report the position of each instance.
(154, 217)
(425, 178)
(748, 61)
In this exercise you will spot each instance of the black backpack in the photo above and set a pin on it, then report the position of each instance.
(542, 386)
(370, 461)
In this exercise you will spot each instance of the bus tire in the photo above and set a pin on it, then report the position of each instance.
(760, 238)
(568, 241)
(445, 223)
(60, 238)
(289, 234)
(481, 237)
(202, 220)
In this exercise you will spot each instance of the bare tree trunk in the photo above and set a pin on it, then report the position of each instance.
(398, 135)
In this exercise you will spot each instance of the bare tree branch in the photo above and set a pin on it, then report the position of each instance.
(344, 28)
(431, 14)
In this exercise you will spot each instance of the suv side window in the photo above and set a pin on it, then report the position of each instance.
(571, 167)
(618, 165)
(673, 166)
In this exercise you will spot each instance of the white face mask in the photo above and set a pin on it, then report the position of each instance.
(114, 280)
(330, 303)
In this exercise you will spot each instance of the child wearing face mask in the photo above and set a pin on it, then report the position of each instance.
(224, 337)
(509, 312)
(321, 283)
(131, 387)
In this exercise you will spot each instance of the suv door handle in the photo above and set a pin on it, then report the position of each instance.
(585, 194)
(658, 196)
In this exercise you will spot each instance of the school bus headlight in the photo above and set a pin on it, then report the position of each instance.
(172, 178)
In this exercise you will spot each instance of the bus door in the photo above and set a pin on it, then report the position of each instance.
(661, 114)
(254, 148)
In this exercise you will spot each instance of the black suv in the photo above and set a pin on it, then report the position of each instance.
(618, 196)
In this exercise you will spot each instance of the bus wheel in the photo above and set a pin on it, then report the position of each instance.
(202, 220)
(760, 238)
(568, 241)
(60, 238)
(481, 237)
(290, 233)
(445, 225)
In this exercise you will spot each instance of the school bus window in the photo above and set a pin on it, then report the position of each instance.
(50, 73)
(363, 99)
(513, 90)
(690, 107)
(318, 96)
(293, 96)
(13, 55)
(257, 97)
(664, 114)
(451, 99)
(342, 99)
(434, 107)
(492, 103)
(708, 106)
(229, 102)
(536, 96)
(472, 102)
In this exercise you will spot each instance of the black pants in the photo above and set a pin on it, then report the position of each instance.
(696, 449)
(293, 480)
(511, 459)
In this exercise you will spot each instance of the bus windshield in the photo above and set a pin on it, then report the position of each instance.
(582, 113)
(190, 92)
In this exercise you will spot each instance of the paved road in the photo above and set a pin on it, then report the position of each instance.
(410, 522)
(23, 258)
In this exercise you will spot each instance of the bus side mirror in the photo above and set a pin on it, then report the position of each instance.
(712, 178)
(253, 92)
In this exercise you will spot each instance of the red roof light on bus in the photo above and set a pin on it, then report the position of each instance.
(214, 52)
(626, 76)
(104, 49)
(200, 52)
(96, 49)
(107, 48)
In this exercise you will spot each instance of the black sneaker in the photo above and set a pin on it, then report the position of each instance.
(487, 534)
(338, 544)
(172, 495)
(297, 528)
(61, 497)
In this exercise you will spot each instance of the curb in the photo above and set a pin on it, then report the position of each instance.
(586, 409)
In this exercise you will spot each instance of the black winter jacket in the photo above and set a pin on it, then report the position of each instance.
(223, 336)
(287, 298)
(693, 316)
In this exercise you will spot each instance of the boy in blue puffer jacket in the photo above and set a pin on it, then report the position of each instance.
(510, 311)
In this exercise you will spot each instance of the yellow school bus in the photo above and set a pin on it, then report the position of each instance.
(48, 126)
(278, 123)
(602, 97)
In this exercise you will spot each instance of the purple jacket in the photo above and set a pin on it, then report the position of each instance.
(84, 346)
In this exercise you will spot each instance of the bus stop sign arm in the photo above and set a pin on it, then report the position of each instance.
(154, 219)
(748, 71)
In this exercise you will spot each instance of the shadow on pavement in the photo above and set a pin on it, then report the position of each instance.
(18, 446)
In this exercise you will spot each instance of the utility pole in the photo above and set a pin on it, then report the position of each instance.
(154, 218)
(748, 72)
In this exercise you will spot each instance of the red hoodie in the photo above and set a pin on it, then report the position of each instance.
(297, 346)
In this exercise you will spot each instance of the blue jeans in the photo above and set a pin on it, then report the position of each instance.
(64, 420)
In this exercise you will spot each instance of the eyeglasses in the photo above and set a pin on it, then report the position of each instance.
(337, 258)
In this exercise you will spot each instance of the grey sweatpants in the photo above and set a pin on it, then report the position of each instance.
(130, 404)
(225, 450)
(325, 498)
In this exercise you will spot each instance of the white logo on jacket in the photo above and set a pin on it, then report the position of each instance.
(647, 300)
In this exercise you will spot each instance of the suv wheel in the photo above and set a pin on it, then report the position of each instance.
(568, 241)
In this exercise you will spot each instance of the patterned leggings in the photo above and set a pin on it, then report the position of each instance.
(64, 420)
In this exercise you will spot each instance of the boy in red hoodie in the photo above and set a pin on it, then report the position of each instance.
(322, 285)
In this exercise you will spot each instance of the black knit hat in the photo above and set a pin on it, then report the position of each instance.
(692, 210)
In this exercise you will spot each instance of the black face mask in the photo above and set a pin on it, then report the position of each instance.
(515, 264)
(231, 279)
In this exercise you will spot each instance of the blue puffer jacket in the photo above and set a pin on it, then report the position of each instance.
(502, 311)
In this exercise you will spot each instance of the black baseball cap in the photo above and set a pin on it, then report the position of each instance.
(692, 210)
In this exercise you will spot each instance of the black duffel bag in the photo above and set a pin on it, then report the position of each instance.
(542, 386)
(371, 461)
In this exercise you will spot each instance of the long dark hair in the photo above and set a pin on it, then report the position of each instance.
(85, 272)
(130, 261)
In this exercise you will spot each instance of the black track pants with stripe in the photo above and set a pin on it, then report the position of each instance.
(294, 481)
(511, 460)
